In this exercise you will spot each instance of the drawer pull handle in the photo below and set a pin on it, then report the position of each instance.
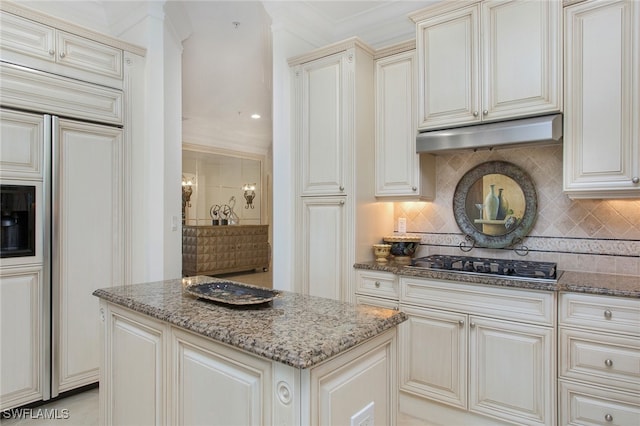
(608, 363)
(377, 284)
(608, 417)
(608, 314)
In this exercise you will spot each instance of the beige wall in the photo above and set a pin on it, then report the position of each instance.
(580, 235)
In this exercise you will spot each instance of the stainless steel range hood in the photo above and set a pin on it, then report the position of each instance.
(539, 130)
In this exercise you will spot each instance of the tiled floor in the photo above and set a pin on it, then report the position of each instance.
(76, 410)
(82, 410)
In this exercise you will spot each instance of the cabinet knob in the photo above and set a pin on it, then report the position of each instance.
(414, 188)
(461, 323)
(342, 202)
(62, 55)
(635, 179)
(475, 113)
(608, 417)
(377, 284)
(472, 324)
(485, 112)
(608, 362)
(608, 314)
(52, 52)
(341, 188)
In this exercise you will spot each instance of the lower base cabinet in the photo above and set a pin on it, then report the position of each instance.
(22, 337)
(477, 355)
(155, 373)
(599, 360)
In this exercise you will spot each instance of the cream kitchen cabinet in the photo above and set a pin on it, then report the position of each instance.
(337, 218)
(324, 147)
(22, 148)
(23, 337)
(133, 368)
(40, 46)
(477, 354)
(324, 251)
(379, 284)
(401, 173)
(602, 81)
(599, 360)
(156, 373)
(87, 168)
(489, 60)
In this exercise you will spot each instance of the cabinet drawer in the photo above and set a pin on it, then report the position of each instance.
(588, 405)
(600, 358)
(606, 313)
(376, 301)
(374, 283)
(498, 302)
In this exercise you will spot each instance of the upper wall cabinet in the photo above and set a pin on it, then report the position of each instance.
(602, 82)
(400, 172)
(39, 46)
(323, 131)
(489, 60)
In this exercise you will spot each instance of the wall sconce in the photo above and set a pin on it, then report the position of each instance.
(249, 194)
(187, 190)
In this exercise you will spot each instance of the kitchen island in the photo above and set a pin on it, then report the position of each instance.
(169, 357)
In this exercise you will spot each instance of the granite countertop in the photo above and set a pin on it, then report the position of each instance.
(578, 282)
(297, 330)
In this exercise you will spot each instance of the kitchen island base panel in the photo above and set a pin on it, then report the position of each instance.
(154, 372)
(435, 413)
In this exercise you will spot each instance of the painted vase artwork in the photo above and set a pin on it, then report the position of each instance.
(491, 204)
(503, 206)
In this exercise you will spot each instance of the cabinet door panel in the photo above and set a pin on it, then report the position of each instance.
(322, 145)
(601, 130)
(25, 37)
(434, 355)
(22, 349)
(526, 393)
(323, 246)
(87, 240)
(521, 58)
(218, 386)
(396, 158)
(88, 55)
(21, 150)
(448, 68)
(133, 390)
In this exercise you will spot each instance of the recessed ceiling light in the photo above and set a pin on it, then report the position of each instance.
(255, 116)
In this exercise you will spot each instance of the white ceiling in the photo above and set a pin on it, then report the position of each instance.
(226, 67)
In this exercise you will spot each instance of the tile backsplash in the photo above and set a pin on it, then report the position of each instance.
(580, 235)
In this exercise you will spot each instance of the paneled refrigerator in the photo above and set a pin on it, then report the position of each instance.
(62, 231)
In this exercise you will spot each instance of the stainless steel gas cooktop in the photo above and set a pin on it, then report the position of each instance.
(519, 269)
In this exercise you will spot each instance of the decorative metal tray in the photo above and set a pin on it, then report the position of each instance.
(231, 293)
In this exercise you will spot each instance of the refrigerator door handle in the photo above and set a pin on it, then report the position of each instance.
(46, 252)
(55, 255)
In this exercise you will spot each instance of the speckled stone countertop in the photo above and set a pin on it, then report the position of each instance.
(579, 282)
(297, 330)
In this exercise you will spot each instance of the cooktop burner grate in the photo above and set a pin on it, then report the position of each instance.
(481, 265)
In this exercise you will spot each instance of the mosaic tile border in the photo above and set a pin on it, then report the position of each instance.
(592, 246)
